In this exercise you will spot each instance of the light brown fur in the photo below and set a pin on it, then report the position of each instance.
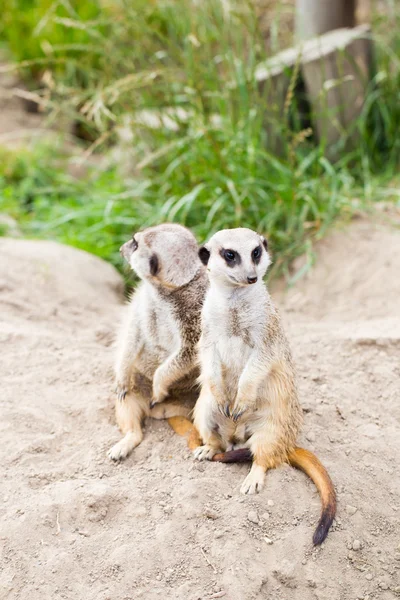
(249, 393)
(156, 370)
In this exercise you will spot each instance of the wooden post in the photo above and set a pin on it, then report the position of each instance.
(315, 17)
(335, 68)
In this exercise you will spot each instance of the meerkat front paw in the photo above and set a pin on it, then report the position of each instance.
(254, 481)
(160, 392)
(121, 389)
(205, 452)
(225, 409)
(239, 408)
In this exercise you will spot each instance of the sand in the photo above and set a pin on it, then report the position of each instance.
(74, 525)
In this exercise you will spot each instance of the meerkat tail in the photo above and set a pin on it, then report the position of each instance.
(185, 428)
(301, 459)
(307, 462)
(234, 456)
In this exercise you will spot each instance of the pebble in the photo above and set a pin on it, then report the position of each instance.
(211, 514)
(268, 541)
(310, 436)
(351, 510)
(356, 545)
(265, 516)
(369, 576)
(383, 585)
(271, 503)
(253, 517)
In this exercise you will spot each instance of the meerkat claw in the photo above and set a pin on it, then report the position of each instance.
(121, 395)
(226, 410)
(254, 481)
(204, 453)
(236, 414)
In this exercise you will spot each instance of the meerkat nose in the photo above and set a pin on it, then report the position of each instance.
(251, 279)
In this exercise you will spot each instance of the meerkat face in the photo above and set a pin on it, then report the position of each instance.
(236, 257)
(165, 255)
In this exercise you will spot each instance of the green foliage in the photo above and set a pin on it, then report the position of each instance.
(94, 214)
(222, 154)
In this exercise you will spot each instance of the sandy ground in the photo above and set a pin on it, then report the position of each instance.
(74, 525)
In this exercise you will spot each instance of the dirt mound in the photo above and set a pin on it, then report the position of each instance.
(354, 276)
(74, 525)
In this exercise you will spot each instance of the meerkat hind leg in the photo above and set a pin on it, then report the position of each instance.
(166, 410)
(254, 481)
(129, 414)
(206, 452)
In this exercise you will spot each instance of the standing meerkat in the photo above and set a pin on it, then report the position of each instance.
(156, 355)
(249, 396)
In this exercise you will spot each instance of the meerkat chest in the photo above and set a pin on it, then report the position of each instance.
(234, 331)
(160, 326)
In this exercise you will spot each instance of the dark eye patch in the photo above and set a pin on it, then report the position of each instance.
(154, 265)
(256, 255)
(231, 257)
(204, 255)
(134, 244)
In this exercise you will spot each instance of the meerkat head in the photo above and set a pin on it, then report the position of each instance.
(166, 255)
(236, 257)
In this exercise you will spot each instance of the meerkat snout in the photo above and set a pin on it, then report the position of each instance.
(128, 248)
(252, 280)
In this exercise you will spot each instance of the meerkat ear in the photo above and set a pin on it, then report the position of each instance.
(154, 265)
(204, 255)
(264, 242)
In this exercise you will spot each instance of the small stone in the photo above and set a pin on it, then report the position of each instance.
(158, 577)
(351, 510)
(356, 545)
(218, 534)
(271, 503)
(383, 585)
(268, 541)
(310, 436)
(253, 517)
(211, 514)
(369, 577)
(265, 516)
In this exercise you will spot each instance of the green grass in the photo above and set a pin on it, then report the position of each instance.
(205, 172)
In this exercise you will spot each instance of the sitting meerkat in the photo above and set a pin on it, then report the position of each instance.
(249, 396)
(156, 356)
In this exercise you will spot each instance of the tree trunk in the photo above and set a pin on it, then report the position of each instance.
(314, 17)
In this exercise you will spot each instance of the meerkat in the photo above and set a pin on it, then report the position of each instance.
(248, 395)
(156, 349)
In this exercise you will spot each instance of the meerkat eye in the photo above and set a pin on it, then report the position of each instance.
(229, 255)
(256, 254)
(134, 244)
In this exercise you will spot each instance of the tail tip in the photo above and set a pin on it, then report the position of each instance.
(323, 527)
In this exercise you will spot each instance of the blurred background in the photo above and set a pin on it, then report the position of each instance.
(117, 114)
